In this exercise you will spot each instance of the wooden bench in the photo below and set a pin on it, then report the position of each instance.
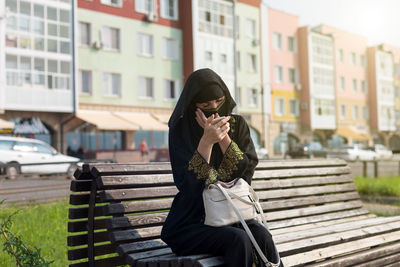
(314, 213)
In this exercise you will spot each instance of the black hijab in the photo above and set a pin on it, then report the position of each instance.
(201, 86)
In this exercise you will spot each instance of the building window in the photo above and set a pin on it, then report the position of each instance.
(279, 107)
(364, 88)
(208, 55)
(341, 55)
(144, 6)
(355, 85)
(145, 44)
(342, 84)
(169, 9)
(251, 28)
(110, 38)
(292, 44)
(112, 84)
(253, 97)
(223, 58)
(85, 82)
(365, 113)
(294, 107)
(252, 63)
(277, 41)
(355, 113)
(170, 89)
(84, 33)
(146, 87)
(116, 3)
(215, 18)
(278, 74)
(292, 75)
(170, 48)
(343, 111)
(363, 62)
(239, 95)
(354, 58)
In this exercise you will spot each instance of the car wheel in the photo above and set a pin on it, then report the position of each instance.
(12, 172)
(71, 170)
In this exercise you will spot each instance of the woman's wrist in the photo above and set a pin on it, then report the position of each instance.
(224, 143)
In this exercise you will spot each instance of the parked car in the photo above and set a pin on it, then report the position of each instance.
(382, 151)
(308, 150)
(353, 153)
(23, 151)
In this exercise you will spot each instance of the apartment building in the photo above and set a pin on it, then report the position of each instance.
(129, 65)
(382, 93)
(351, 82)
(36, 67)
(317, 76)
(284, 80)
(225, 36)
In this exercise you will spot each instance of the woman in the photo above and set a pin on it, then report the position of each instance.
(202, 153)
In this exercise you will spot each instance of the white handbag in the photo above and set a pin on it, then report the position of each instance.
(229, 203)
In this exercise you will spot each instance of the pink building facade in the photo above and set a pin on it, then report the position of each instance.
(351, 83)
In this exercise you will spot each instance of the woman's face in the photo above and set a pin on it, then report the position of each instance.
(212, 104)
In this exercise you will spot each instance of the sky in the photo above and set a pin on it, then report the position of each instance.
(378, 20)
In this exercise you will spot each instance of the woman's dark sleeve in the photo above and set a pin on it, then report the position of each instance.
(240, 159)
(190, 170)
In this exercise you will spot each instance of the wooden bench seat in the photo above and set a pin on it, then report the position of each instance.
(314, 213)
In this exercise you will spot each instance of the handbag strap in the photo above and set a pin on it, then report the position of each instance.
(247, 229)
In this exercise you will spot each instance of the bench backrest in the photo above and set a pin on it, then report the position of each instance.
(131, 201)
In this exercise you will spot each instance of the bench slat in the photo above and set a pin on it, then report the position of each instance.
(131, 181)
(81, 226)
(82, 239)
(361, 257)
(285, 183)
(135, 234)
(172, 260)
(112, 261)
(82, 253)
(137, 220)
(299, 163)
(134, 257)
(79, 213)
(138, 206)
(305, 201)
(316, 218)
(80, 185)
(305, 191)
(309, 243)
(340, 249)
(209, 262)
(267, 174)
(339, 227)
(129, 169)
(140, 246)
(327, 208)
(138, 193)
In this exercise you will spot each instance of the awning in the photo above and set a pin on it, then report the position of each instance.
(6, 124)
(105, 120)
(164, 118)
(145, 121)
(349, 133)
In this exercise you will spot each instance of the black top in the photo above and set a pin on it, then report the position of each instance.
(190, 171)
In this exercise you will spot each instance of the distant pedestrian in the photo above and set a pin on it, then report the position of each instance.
(80, 153)
(143, 149)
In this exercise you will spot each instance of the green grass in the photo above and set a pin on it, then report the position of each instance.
(385, 186)
(40, 225)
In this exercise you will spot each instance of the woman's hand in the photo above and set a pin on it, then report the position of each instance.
(215, 133)
(201, 118)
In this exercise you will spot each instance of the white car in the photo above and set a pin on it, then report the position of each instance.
(25, 151)
(382, 151)
(353, 153)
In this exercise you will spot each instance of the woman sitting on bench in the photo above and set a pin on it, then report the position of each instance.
(202, 153)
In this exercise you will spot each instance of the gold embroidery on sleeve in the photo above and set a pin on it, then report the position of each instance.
(204, 171)
(229, 163)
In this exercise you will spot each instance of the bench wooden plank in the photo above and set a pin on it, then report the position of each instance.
(299, 163)
(316, 218)
(138, 193)
(302, 212)
(82, 239)
(81, 226)
(296, 182)
(135, 234)
(338, 227)
(131, 181)
(138, 206)
(137, 220)
(309, 243)
(80, 213)
(132, 258)
(127, 248)
(107, 262)
(80, 185)
(309, 172)
(340, 249)
(82, 253)
(307, 201)
(305, 191)
(210, 262)
(361, 257)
